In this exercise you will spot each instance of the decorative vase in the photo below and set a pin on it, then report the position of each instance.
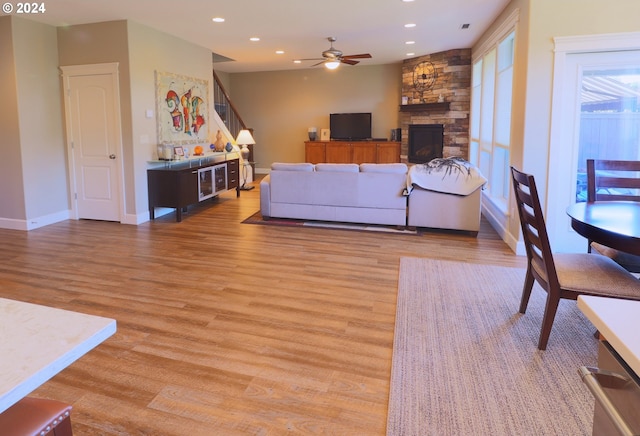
(228, 147)
(313, 133)
(219, 142)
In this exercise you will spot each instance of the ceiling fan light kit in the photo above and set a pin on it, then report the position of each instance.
(332, 58)
(332, 65)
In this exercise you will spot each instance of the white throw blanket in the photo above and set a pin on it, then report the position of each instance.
(452, 175)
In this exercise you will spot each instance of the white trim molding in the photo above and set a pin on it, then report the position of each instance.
(508, 25)
(111, 69)
(596, 43)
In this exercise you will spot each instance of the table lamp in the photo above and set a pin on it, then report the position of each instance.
(244, 139)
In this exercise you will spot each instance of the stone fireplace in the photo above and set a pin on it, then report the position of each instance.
(446, 103)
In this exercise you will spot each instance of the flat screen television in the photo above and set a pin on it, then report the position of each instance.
(350, 126)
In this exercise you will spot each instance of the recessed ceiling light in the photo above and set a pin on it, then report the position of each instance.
(410, 42)
(254, 39)
(407, 1)
(411, 54)
(279, 51)
(297, 61)
(408, 25)
(218, 20)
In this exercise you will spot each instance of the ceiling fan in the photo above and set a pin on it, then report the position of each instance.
(332, 57)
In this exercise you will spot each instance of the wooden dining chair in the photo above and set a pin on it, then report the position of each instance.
(563, 275)
(614, 180)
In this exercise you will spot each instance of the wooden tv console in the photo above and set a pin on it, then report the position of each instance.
(352, 152)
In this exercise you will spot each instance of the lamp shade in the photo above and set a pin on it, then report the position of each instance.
(245, 138)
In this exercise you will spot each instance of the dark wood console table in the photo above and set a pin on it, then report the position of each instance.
(180, 184)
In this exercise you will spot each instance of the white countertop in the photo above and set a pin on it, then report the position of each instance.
(619, 322)
(37, 342)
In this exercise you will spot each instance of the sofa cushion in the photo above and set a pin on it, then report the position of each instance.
(281, 166)
(338, 168)
(390, 168)
(337, 188)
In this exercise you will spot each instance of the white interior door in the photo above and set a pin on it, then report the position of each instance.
(583, 82)
(92, 110)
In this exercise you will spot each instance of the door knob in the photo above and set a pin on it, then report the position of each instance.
(112, 156)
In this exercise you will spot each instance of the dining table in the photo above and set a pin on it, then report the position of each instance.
(37, 342)
(615, 224)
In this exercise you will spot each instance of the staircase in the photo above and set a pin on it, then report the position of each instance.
(225, 109)
(229, 114)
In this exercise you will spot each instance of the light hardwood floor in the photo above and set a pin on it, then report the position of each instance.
(227, 328)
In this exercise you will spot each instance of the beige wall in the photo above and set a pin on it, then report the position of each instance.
(541, 21)
(282, 105)
(225, 78)
(32, 168)
(151, 51)
(12, 201)
(140, 52)
(41, 121)
(99, 43)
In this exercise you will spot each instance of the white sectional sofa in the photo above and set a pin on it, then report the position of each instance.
(365, 193)
(442, 194)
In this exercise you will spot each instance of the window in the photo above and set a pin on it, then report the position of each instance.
(491, 92)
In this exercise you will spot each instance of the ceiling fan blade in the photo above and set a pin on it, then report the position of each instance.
(319, 63)
(358, 56)
(312, 59)
(349, 61)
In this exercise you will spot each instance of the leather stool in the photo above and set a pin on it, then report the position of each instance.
(36, 417)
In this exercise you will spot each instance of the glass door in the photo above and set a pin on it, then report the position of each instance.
(601, 120)
(220, 174)
(609, 119)
(205, 183)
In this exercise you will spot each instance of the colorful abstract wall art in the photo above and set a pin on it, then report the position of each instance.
(182, 109)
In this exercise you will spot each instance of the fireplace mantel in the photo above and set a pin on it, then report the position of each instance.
(425, 107)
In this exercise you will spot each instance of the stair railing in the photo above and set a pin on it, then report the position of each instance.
(225, 108)
(228, 113)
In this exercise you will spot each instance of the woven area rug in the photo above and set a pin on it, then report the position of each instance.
(256, 218)
(465, 362)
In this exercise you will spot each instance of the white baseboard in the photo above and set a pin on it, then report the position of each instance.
(497, 223)
(135, 219)
(34, 223)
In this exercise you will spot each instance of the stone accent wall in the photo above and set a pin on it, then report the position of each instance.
(453, 86)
